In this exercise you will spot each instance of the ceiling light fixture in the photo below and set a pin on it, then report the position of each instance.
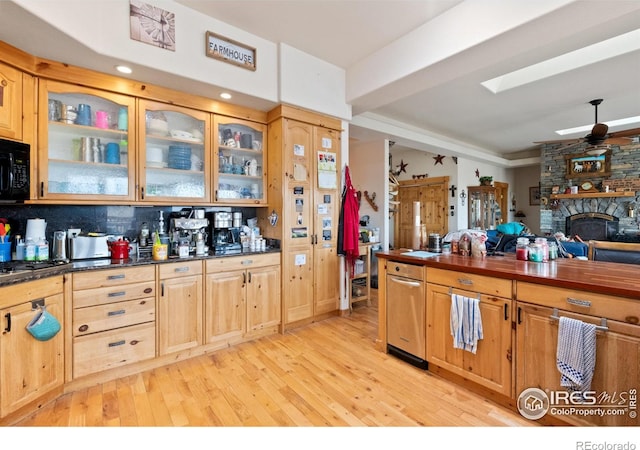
(611, 123)
(124, 69)
(225, 95)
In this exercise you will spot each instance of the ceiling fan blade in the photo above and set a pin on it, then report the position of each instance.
(626, 133)
(618, 141)
(599, 130)
(561, 141)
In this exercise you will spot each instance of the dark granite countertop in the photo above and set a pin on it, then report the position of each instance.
(21, 276)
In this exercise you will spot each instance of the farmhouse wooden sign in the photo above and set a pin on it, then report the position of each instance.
(230, 51)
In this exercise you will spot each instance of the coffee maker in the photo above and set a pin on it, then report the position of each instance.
(226, 233)
(187, 230)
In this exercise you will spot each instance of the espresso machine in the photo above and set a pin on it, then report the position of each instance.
(225, 238)
(187, 230)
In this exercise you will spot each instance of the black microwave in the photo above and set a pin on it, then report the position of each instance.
(14, 171)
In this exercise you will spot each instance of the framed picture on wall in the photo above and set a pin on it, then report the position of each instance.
(534, 195)
(584, 165)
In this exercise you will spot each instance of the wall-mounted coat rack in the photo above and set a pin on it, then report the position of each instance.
(371, 200)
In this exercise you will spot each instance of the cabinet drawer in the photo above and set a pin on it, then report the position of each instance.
(599, 305)
(114, 315)
(178, 269)
(406, 270)
(241, 262)
(102, 351)
(106, 295)
(471, 282)
(112, 277)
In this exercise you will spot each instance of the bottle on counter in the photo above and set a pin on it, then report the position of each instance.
(29, 250)
(144, 234)
(465, 245)
(199, 244)
(536, 252)
(544, 244)
(42, 250)
(19, 248)
(553, 251)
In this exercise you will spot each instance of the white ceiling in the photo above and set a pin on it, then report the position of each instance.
(442, 99)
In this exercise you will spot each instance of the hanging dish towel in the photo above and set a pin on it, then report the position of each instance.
(576, 354)
(466, 322)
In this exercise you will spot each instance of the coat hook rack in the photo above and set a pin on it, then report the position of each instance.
(371, 200)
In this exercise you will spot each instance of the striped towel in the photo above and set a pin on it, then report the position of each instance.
(576, 354)
(465, 322)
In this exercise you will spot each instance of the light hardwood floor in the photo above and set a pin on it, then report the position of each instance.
(325, 374)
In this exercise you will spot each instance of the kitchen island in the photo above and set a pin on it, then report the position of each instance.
(520, 304)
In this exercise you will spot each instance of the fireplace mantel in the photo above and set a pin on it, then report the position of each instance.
(595, 195)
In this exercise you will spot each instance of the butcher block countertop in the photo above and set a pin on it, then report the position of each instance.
(594, 276)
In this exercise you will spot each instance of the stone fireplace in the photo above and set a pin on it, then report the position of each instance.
(591, 225)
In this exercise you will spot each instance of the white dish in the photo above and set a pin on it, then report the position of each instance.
(180, 134)
(157, 164)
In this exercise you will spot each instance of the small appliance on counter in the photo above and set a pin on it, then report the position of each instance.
(90, 245)
(187, 230)
(225, 238)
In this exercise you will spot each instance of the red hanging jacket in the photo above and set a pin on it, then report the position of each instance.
(349, 232)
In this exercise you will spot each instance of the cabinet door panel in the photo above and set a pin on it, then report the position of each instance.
(327, 282)
(10, 102)
(224, 306)
(440, 349)
(297, 284)
(263, 294)
(29, 368)
(180, 314)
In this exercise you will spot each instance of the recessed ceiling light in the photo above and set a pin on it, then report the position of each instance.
(225, 95)
(124, 69)
(611, 123)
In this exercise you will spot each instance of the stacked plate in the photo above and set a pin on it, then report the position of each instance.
(180, 157)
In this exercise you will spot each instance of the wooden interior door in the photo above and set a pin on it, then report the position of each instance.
(502, 197)
(432, 195)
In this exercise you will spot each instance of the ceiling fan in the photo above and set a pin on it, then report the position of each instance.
(599, 140)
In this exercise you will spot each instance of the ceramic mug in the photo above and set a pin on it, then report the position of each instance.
(112, 153)
(102, 119)
(84, 115)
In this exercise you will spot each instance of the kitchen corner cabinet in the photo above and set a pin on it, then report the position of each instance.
(80, 158)
(11, 86)
(304, 182)
(491, 365)
(617, 368)
(29, 369)
(173, 158)
(240, 161)
(242, 298)
(180, 305)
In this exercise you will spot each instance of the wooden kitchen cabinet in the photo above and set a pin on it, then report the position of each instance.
(240, 164)
(617, 368)
(180, 306)
(29, 369)
(72, 158)
(174, 161)
(304, 186)
(242, 298)
(11, 87)
(491, 365)
(487, 206)
(114, 313)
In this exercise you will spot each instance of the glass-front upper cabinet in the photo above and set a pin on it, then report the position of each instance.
(239, 162)
(173, 160)
(84, 149)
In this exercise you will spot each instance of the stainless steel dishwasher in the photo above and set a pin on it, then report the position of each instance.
(406, 332)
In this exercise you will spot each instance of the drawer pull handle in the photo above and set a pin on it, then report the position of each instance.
(181, 269)
(465, 281)
(83, 328)
(116, 344)
(116, 294)
(247, 262)
(407, 283)
(116, 313)
(148, 290)
(116, 277)
(603, 322)
(578, 302)
(8, 327)
(134, 342)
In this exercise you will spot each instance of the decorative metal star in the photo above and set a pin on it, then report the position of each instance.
(477, 173)
(403, 166)
(438, 159)
(455, 159)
